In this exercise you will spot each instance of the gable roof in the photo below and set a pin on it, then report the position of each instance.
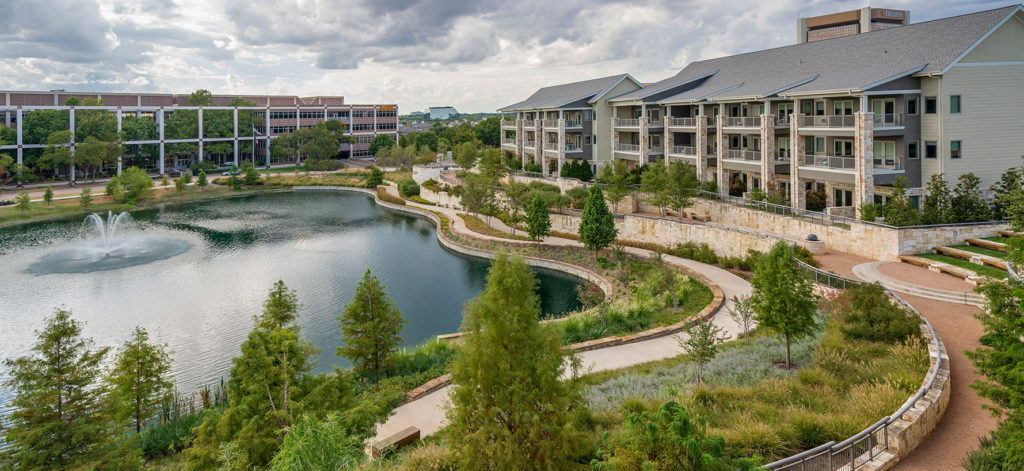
(560, 95)
(850, 63)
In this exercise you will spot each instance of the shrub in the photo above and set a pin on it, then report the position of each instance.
(383, 195)
(323, 164)
(432, 185)
(868, 212)
(577, 196)
(535, 168)
(694, 251)
(170, 438)
(873, 316)
(132, 186)
(408, 187)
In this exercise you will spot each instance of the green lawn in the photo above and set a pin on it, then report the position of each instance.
(956, 262)
(981, 251)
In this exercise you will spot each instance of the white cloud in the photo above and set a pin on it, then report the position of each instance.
(476, 56)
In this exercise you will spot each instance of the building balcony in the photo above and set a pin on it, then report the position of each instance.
(508, 123)
(889, 162)
(682, 122)
(742, 154)
(782, 121)
(712, 151)
(888, 120)
(529, 123)
(573, 123)
(509, 143)
(827, 121)
(626, 123)
(712, 121)
(782, 156)
(835, 162)
(529, 144)
(687, 151)
(634, 148)
(550, 124)
(741, 121)
(573, 147)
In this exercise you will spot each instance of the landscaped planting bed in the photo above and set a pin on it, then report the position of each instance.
(956, 262)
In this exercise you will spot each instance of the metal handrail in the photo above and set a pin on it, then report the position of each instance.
(684, 150)
(627, 123)
(508, 123)
(741, 121)
(827, 121)
(529, 123)
(688, 122)
(888, 120)
(627, 147)
(550, 123)
(844, 162)
(574, 123)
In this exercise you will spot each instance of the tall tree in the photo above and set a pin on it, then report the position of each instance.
(701, 342)
(491, 165)
(58, 152)
(465, 155)
(655, 185)
(264, 387)
(615, 176)
(936, 208)
(783, 296)
(597, 224)
(1009, 183)
(48, 195)
(381, 141)
(898, 211)
(139, 379)
(682, 186)
(967, 204)
(370, 326)
(510, 409)
(488, 131)
(538, 218)
(58, 419)
(23, 201)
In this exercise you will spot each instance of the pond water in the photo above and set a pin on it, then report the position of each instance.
(200, 295)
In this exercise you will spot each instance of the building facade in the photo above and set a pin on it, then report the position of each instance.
(837, 25)
(273, 114)
(443, 112)
(844, 116)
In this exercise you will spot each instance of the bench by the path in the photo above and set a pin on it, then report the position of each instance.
(987, 244)
(972, 257)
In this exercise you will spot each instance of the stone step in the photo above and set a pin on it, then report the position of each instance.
(960, 297)
(988, 244)
(971, 257)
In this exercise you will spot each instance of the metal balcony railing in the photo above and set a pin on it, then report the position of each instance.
(684, 150)
(827, 121)
(508, 142)
(742, 154)
(529, 123)
(741, 121)
(627, 123)
(572, 146)
(712, 121)
(842, 162)
(550, 123)
(782, 155)
(627, 147)
(574, 123)
(782, 120)
(508, 123)
(888, 120)
(529, 143)
(888, 162)
(685, 122)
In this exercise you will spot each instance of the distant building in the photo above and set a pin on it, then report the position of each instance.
(847, 23)
(443, 112)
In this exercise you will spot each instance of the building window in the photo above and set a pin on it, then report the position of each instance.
(843, 147)
(912, 150)
(954, 149)
(282, 115)
(912, 105)
(930, 105)
(819, 108)
(954, 104)
(844, 107)
(931, 150)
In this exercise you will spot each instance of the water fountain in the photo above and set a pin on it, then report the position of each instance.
(109, 245)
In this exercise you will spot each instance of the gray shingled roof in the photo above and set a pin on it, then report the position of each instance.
(847, 63)
(564, 94)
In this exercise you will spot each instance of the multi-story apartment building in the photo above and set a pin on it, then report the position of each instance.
(835, 25)
(274, 115)
(847, 115)
(564, 122)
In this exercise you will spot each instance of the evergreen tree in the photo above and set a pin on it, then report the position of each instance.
(250, 175)
(48, 196)
(139, 379)
(1009, 183)
(23, 201)
(936, 201)
(597, 224)
(86, 198)
(265, 386)
(375, 178)
(465, 154)
(58, 419)
(509, 408)
(999, 361)
(783, 296)
(370, 326)
(201, 181)
(898, 211)
(538, 218)
(967, 204)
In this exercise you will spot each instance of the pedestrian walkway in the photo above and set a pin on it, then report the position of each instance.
(428, 412)
(870, 272)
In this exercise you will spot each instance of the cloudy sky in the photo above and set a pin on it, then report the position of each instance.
(476, 56)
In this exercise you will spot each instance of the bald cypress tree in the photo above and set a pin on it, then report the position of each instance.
(510, 409)
(370, 327)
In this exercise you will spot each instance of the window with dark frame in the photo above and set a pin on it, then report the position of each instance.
(931, 150)
(954, 104)
(954, 149)
(912, 150)
(931, 105)
(912, 105)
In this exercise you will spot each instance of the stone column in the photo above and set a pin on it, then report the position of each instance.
(721, 144)
(864, 156)
(670, 138)
(645, 138)
(160, 120)
(561, 141)
(797, 196)
(701, 141)
(614, 141)
(519, 140)
(767, 152)
(538, 142)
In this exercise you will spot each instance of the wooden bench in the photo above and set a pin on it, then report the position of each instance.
(939, 267)
(395, 441)
(971, 257)
(1010, 234)
(988, 244)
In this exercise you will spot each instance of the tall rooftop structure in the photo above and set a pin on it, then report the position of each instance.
(847, 23)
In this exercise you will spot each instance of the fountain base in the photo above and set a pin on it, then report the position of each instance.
(88, 257)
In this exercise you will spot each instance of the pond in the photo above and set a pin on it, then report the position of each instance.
(216, 262)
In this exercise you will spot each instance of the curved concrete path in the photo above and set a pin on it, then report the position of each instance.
(428, 412)
(870, 272)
